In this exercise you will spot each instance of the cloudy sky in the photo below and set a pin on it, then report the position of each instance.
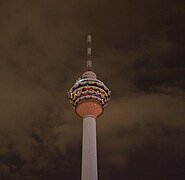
(138, 52)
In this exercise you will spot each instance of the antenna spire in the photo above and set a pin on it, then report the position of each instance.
(89, 59)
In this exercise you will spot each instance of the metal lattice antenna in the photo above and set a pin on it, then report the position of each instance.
(89, 59)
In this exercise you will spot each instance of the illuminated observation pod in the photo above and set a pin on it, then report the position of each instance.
(89, 95)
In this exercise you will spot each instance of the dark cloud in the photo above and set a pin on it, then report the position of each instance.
(138, 51)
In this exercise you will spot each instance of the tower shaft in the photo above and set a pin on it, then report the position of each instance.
(89, 149)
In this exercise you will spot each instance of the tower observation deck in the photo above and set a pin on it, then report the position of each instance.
(89, 96)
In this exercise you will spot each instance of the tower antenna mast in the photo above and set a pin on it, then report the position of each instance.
(89, 58)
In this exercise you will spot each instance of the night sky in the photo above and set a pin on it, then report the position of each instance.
(138, 52)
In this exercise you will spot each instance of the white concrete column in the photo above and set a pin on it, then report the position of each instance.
(89, 149)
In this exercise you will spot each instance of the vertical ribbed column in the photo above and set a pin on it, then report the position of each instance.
(89, 149)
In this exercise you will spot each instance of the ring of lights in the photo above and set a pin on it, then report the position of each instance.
(88, 89)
